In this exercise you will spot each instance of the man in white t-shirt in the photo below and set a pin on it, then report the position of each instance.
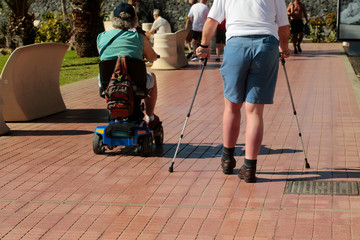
(197, 16)
(160, 25)
(255, 30)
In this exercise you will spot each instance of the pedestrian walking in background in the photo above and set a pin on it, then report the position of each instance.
(188, 26)
(296, 11)
(220, 39)
(197, 16)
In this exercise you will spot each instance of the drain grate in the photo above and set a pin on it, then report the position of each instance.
(322, 187)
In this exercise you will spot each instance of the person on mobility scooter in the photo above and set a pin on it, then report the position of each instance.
(122, 68)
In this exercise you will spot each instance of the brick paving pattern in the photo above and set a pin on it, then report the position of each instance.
(52, 185)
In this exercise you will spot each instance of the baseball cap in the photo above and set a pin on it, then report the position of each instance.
(124, 7)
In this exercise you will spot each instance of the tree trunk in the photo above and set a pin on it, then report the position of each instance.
(88, 23)
(64, 10)
(20, 31)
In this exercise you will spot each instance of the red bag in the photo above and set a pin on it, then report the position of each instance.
(120, 94)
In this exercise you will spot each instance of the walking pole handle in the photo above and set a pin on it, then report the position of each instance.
(283, 59)
(204, 60)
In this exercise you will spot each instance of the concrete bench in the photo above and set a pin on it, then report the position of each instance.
(170, 47)
(30, 82)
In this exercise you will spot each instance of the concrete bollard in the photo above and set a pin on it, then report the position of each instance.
(146, 26)
(165, 46)
(33, 91)
(4, 129)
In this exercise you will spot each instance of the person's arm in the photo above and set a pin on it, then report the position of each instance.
(208, 31)
(284, 34)
(304, 13)
(149, 52)
(155, 26)
(289, 9)
(189, 20)
(148, 34)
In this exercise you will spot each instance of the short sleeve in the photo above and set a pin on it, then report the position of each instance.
(156, 25)
(281, 13)
(217, 11)
(191, 14)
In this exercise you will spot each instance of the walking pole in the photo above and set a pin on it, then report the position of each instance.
(171, 168)
(307, 165)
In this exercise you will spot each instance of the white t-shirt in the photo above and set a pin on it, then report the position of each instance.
(161, 25)
(253, 17)
(198, 12)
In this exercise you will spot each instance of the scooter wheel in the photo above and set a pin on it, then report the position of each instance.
(147, 142)
(159, 139)
(98, 146)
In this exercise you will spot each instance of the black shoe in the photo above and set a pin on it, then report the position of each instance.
(154, 124)
(194, 58)
(295, 51)
(189, 55)
(299, 48)
(228, 165)
(217, 60)
(248, 174)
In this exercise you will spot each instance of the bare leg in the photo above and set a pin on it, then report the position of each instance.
(253, 139)
(301, 36)
(254, 129)
(150, 99)
(294, 41)
(188, 44)
(231, 123)
(194, 44)
(218, 50)
(191, 51)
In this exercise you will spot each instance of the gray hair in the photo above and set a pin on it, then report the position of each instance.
(156, 12)
(124, 22)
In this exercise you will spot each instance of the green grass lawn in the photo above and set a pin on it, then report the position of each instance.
(73, 69)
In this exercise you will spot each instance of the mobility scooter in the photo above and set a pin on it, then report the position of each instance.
(131, 130)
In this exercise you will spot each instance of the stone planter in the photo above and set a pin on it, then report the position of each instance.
(165, 46)
(4, 129)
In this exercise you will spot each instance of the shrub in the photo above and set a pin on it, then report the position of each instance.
(54, 28)
(3, 32)
(317, 29)
(331, 24)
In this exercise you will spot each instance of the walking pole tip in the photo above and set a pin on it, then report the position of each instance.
(171, 168)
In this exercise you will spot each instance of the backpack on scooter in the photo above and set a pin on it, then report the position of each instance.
(119, 94)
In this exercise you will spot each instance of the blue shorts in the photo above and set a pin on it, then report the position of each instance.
(249, 69)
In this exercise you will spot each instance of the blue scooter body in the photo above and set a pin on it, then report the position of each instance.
(125, 134)
(122, 138)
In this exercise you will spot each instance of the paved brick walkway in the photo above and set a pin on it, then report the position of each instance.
(52, 185)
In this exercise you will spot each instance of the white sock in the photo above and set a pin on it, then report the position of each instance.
(149, 119)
